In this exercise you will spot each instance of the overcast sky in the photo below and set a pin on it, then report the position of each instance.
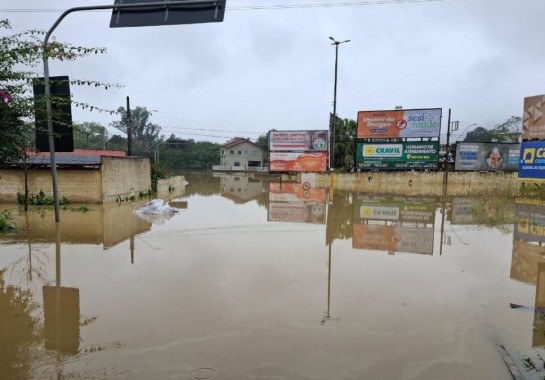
(274, 68)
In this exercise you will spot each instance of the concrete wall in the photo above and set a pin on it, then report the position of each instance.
(424, 183)
(124, 177)
(117, 178)
(79, 186)
(176, 184)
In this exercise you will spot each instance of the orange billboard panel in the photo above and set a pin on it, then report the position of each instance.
(298, 162)
(399, 123)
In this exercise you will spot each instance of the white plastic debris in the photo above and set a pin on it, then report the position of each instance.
(156, 211)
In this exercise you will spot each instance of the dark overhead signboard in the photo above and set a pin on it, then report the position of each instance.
(189, 12)
(61, 114)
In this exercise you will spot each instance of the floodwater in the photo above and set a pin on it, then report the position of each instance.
(257, 280)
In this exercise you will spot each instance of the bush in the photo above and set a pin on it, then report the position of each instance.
(40, 199)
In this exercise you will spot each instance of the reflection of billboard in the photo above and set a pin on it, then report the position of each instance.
(487, 156)
(295, 192)
(297, 162)
(532, 160)
(399, 123)
(298, 140)
(401, 155)
(403, 209)
(533, 121)
(297, 212)
(530, 222)
(462, 211)
(524, 261)
(393, 238)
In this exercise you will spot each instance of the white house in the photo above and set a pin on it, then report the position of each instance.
(241, 155)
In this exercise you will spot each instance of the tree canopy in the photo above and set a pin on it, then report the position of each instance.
(507, 132)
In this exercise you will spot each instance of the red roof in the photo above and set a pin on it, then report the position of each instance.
(84, 152)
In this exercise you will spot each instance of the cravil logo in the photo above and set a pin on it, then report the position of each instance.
(383, 150)
(529, 155)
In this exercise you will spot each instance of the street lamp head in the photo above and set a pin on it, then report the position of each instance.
(332, 39)
(345, 41)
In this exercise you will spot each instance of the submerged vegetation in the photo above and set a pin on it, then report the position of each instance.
(6, 223)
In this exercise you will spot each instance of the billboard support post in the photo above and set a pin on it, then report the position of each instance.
(45, 58)
(333, 125)
(448, 137)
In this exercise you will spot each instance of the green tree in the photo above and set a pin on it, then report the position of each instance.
(344, 151)
(193, 155)
(20, 58)
(263, 142)
(144, 133)
(508, 132)
(90, 135)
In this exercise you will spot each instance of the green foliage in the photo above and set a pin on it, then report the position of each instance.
(6, 222)
(144, 133)
(90, 135)
(40, 199)
(344, 151)
(197, 155)
(507, 132)
(20, 64)
(263, 142)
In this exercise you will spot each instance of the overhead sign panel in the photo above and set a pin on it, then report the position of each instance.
(399, 209)
(402, 155)
(393, 238)
(533, 121)
(487, 156)
(167, 12)
(298, 140)
(61, 114)
(399, 123)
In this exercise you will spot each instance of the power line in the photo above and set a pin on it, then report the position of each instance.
(255, 7)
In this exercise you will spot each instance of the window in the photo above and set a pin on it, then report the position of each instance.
(237, 164)
(239, 152)
(231, 152)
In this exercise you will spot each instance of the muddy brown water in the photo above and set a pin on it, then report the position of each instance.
(253, 280)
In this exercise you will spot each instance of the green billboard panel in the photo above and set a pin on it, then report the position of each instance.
(398, 155)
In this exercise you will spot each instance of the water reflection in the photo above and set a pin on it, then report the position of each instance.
(528, 259)
(394, 224)
(257, 280)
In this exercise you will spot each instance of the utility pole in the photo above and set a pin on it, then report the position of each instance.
(333, 126)
(129, 129)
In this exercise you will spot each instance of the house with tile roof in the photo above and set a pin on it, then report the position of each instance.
(240, 155)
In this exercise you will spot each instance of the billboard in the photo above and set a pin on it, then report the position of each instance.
(399, 123)
(532, 160)
(298, 162)
(533, 120)
(393, 238)
(487, 156)
(298, 140)
(402, 209)
(401, 155)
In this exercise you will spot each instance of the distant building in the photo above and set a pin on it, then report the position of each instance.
(241, 155)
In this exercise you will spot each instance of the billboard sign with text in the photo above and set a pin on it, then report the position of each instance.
(487, 156)
(298, 162)
(533, 121)
(532, 160)
(401, 155)
(298, 141)
(399, 123)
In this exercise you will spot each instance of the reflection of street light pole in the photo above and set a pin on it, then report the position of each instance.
(334, 124)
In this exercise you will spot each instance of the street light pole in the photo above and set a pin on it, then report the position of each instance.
(333, 125)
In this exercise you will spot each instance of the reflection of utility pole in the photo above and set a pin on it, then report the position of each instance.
(329, 242)
(443, 210)
(132, 249)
